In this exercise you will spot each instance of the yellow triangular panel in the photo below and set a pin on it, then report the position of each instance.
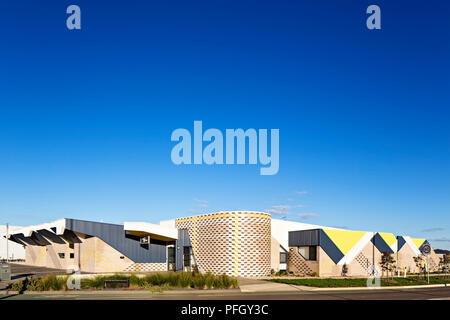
(344, 239)
(389, 238)
(418, 242)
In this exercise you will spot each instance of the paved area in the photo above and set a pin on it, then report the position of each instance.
(20, 271)
(249, 289)
(253, 285)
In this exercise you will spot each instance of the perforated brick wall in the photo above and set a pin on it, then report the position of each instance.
(234, 243)
(297, 264)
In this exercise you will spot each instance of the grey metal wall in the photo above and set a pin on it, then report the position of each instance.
(304, 238)
(183, 241)
(114, 235)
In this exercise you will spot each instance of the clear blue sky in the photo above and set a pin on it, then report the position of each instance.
(86, 116)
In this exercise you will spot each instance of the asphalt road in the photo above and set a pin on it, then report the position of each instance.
(442, 293)
(20, 271)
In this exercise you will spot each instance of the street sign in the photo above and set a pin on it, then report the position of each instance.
(426, 249)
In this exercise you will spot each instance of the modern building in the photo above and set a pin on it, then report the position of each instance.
(238, 243)
(15, 250)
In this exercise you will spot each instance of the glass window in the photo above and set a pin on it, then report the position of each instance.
(312, 253)
(186, 256)
(308, 252)
(61, 255)
(145, 240)
(283, 257)
(171, 254)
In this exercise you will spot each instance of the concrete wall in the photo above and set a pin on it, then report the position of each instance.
(274, 254)
(327, 268)
(91, 255)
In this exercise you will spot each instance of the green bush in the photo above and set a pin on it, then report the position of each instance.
(185, 279)
(53, 283)
(17, 286)
(34, 284)
(47, 283)
(154, 282)
(211, 281)
(198, 281)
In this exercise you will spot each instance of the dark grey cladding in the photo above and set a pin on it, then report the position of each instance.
(400, 242)
(114, 235)
(15, 239)
(70, 237)
(304, 238)
(51, 236)
(26, 240)
(40, 240)
(183, 241)
(380, 244)
(316, 237)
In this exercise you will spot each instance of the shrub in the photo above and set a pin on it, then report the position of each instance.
(17, 286)
(211, 281)
(47, 283)
(185, 279)
(53, 283)
(92, 283)
(198, 281)
(153, 282)
(34, 284)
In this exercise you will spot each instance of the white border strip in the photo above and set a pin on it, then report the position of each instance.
(353, 252)
(412, 245)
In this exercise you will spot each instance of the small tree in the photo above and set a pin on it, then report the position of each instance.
(344, 270)
(420, 264)
(444, 264)
(387, 263)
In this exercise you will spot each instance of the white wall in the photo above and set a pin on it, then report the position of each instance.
(16, 251)
(281, 228)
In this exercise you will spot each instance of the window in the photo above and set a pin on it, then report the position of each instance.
(72, 255)
(308, 253)
(145, 240)
(171, 254)
(61, 255)
(186, 257)
(283, 257)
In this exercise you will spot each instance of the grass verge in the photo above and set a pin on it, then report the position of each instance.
(360, 282)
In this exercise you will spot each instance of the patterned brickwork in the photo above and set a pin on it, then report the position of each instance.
(363, 261)
(235, 243)
(297, 264)
(146, 267)
(255, 243)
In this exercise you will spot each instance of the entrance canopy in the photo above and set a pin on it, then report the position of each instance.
(155, 231)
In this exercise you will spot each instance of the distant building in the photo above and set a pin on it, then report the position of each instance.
(16, 251)
(238, 243)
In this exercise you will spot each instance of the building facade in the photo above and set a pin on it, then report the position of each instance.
(15, 250)
(237, 243)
